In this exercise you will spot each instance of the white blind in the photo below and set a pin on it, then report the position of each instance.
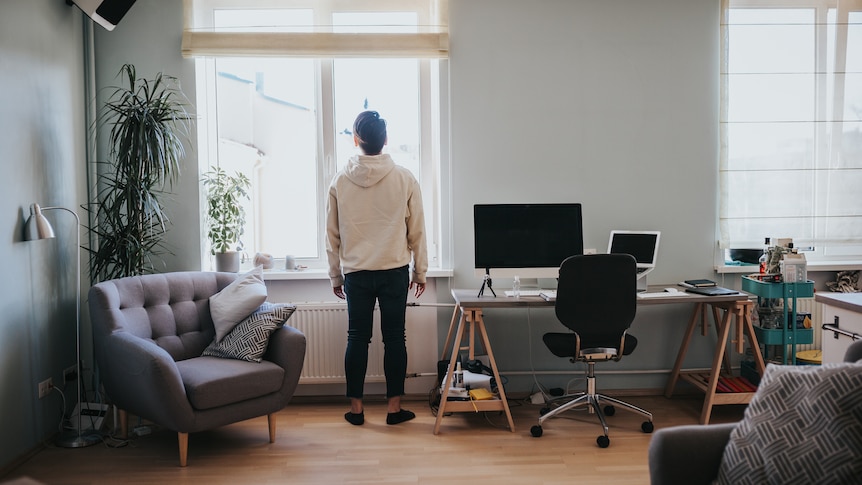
(316, 28)
(791, 122)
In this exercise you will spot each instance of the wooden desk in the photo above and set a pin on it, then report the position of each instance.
(469, 306)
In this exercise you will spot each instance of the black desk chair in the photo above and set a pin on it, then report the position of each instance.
(597, 300)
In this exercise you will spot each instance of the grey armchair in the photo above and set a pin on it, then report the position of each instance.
(149, 332)
(692, 454)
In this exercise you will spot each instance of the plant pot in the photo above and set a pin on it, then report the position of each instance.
(227, 262)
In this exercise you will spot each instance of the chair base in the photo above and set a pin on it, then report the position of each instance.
(594, 402)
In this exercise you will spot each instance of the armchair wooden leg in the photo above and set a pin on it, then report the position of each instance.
(183, 439)
(123, 416)
(270, 418)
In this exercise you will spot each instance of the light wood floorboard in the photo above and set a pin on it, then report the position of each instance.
(315, 445)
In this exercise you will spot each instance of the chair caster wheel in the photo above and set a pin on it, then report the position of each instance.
(647, 426)
(603, 441)
(544, 411)
(536, 431)
(609, 410)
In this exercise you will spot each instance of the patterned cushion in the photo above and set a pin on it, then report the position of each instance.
(248, 340)
(804, 425)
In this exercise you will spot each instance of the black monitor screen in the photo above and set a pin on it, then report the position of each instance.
(526, 235)
(640, 245)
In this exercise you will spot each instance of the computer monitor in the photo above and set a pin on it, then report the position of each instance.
(526, 240)
(643, 245)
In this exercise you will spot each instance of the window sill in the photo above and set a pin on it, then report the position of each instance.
(812, 266)
(323, 274)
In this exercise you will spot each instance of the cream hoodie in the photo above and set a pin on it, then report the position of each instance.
(374, 219)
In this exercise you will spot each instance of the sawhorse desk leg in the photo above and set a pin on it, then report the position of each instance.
(737, 312)
(470, 318)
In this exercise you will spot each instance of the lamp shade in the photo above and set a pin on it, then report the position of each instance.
(37, 227)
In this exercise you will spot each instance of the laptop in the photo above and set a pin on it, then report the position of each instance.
(712, 291)
(643, 245)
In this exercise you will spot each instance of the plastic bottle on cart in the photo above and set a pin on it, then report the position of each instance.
(764, 258)
(516, 287)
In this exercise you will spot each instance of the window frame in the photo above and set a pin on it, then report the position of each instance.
(433, 99)
(824, 82)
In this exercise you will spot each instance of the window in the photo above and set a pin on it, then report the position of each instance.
(282, 83)
(791, 126)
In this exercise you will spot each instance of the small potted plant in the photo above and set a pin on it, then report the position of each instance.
(226, 216)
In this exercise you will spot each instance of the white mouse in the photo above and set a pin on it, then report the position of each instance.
(671, 290)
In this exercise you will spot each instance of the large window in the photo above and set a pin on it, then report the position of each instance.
(283, 115)
(791, 127)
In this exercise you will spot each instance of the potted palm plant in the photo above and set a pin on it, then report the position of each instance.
(226, 215)
(148, 122)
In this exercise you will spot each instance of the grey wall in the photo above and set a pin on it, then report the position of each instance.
(42, 153)
(611, 104)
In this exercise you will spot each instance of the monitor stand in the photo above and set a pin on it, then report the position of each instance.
(487, 282)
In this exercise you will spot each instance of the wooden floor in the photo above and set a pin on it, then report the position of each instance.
(315, 445)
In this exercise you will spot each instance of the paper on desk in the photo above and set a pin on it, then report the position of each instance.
(663, 294)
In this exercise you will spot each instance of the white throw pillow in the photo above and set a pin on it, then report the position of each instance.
(237, 301)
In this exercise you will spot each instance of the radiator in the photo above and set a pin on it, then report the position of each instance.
(325, 328)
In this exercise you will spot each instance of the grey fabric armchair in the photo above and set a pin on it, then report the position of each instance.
(149, 332)
(692, 454)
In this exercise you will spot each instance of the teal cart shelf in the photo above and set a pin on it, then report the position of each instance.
(788, 336)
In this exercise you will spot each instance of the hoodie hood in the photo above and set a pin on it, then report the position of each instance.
(367, 170)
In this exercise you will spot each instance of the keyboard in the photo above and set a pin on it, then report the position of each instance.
(525, 292)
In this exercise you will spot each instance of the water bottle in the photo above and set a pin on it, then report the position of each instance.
(764, 258)
(516, 287)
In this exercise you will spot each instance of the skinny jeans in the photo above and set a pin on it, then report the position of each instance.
(363, 289)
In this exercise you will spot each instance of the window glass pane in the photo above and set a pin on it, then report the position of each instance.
(771, 97)
(771, 41)
(371, 22)
(770, 146)
(264, 20)
(389, 86)
(267, 107)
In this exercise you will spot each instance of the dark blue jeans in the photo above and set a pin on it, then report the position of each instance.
(363, 289)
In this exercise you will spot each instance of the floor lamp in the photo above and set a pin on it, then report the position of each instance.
(37, 227)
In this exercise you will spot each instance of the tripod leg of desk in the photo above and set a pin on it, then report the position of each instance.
(447, 381)
(452, 328)
(683, 348)
(471, 321)
(715, 371)
(500, 388)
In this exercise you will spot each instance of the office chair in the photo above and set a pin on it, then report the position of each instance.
(597, 300)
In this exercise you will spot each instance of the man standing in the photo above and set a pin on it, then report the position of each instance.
(375, 227)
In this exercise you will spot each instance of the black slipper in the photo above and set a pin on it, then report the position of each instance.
(399, 417)
(355, 418)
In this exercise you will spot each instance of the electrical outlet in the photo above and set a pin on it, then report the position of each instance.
(70, 374)
(45, 387)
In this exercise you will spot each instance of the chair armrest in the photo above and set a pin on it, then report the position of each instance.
(142, 378)
(854, 352)
(286, 348)
(688, 454)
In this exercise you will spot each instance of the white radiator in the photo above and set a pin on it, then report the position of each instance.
(325, 328)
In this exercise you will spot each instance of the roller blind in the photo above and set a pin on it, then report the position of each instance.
(316, 28)
(791, 122)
